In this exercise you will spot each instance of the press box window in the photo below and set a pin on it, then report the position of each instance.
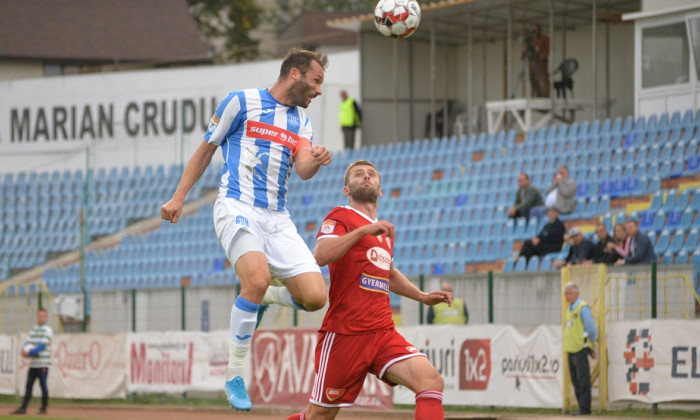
(665, 55)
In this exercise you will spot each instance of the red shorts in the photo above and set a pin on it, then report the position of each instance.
(343, 361)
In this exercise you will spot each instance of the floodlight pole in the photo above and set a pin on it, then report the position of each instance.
(594, 40)
(509, 52)
(432, 79)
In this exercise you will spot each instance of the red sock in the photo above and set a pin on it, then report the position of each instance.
(429, 406)
(298, 416)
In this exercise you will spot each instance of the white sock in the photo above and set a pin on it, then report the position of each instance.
(244, 315)
(280, 296)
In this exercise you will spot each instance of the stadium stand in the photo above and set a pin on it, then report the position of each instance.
(447, 197)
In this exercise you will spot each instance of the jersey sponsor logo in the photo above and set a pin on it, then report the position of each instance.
(328, 226)
(412, 349)
(269, 132)
(240, 220)
(213, 123)
(334, 393)
(374, 284)
(379, 257)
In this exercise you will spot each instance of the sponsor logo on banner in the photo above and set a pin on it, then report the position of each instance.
(684, 362)
(68, 358)
(529, 367)
(218, 360)
(283, 372)
(442, 356)
(638, 358)
(379, 257)
(154, 364)
(475, 364)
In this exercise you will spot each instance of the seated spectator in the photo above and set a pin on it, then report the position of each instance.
(526, 198)
(580, 252)
(604, 251)
(622, 241)
(561, 194)
(550, 238)
(641, 250)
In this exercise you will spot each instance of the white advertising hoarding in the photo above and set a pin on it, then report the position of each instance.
(176, 362)
(492, 364)
(82, 366)
(654, 360)
(8, 364)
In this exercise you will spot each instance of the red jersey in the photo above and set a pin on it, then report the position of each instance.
(359, 291)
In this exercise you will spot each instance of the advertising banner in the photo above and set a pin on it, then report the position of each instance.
(283, 371)
(87, 366)
(654, 360)
(176, 361)
(492, 364)
(8, 364)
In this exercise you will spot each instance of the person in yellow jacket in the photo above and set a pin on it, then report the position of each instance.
(579, 336)
(350, 118)
(443, 314)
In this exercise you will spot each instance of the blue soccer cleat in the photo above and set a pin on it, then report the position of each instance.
(261, 312)
(237, 395)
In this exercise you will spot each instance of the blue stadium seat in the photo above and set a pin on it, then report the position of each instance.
(534, 263)
(691, 242)
(693, 165)
(662, 242)
(508, 266)
(659, 221)
(667, 257)
(656, 201)
(674, 219)
(520, 264)
(677, 241)
(686, 218)
(695, 202)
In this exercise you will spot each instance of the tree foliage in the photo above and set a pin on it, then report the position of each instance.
(287, 10)
(227, 26)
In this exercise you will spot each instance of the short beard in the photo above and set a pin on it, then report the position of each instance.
(298, 93)
(364, 195)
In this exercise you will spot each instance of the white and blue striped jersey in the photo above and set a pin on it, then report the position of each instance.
(259, 138)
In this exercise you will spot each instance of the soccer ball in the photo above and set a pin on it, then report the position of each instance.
(27, 347)
(397, 18)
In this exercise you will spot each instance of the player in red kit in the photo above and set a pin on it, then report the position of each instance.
(357, 335)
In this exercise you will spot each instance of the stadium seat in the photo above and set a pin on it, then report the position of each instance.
(667, 257)
(673, 219)
(657, 201)
(520, 264)
(677, 241)
(534, 263)
(662, 242)
(691, 242)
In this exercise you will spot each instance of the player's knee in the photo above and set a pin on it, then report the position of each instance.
(433, 381)
(315, 301)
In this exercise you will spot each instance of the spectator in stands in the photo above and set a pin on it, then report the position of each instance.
(621, 246)
(579, 335)
(526, 198)
(548, 240)
(604, 250)
(641, 250)
(561, 194)
(443, 314)
(581, 250)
